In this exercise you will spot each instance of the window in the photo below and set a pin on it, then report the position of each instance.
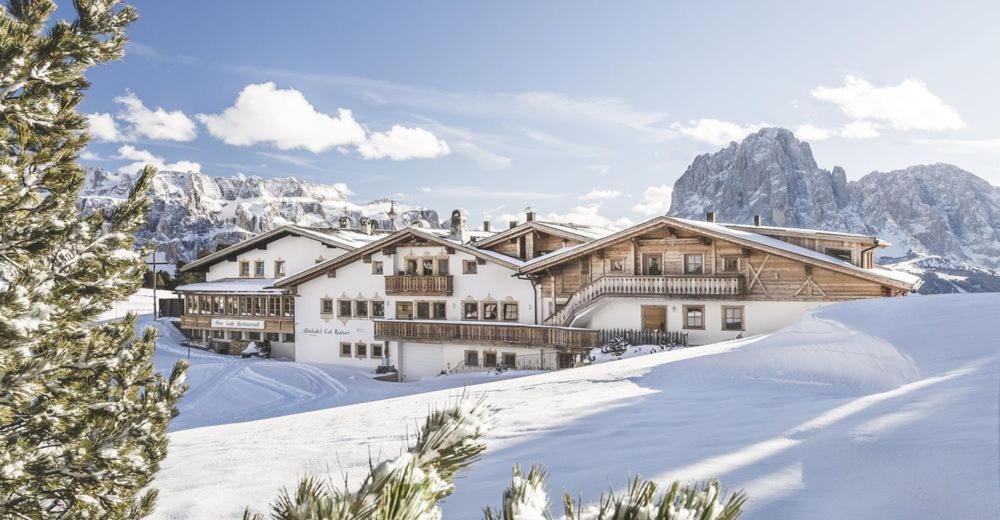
(442, 267)
(244, 269)
(273, 336)
(617, 265)
(378, 267)
(234, 305)
(289, 307)
(731, 264)
(732, 318)
(843, 254)
(218, 334)
(279, 268)
(510, 312)
(376, 350)
(344, 306)
(411, 267)
(694, 317)
(489, 359)
(361, 309)
(258, 268)
(244, 306)
(427, 267)
(289, 337)
(378, 309)
(439, 311)
(472, 358)
(218, 305)
(509, 359)
(423, 310)
(469, 267)
(345, 350)
(260, 306)
(470, 311)
(326, 306)
(404, 310)
(236, 334)
(693, 264)
(254, 336)
(272, 306)
(489, 311)
(361, 350)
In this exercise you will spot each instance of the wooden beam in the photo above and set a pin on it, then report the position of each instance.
(755, 275)
(331, 273)
(450, 250)
(390, 250)
(366, 259)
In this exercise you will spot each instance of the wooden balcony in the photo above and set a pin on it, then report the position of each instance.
(245, 323)
(413, 285)
(480, 333)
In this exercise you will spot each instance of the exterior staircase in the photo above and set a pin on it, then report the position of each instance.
(716, 286)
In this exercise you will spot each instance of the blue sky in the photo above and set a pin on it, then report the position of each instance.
(585, 110)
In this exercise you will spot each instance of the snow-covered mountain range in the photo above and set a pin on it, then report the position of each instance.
(943, 222)
(193, 211)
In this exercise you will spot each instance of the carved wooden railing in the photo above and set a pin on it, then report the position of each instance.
(649, 285)
(481, 333)
(436, 285)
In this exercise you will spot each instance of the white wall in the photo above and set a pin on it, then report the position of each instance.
(297, 252)
(759, 317)
(318, 337)
(420, 360)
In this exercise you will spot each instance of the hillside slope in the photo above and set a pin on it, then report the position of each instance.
(871, 409)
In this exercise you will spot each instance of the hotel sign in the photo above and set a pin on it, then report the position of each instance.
(229, 323)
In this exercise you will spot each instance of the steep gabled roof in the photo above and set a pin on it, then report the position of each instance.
(334, 237)
(578, 232)
(395, 238)
(745, 238)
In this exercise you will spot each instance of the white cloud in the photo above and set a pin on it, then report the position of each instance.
(477, 192)
(860, 130)
(810, 132)
(142, 157)
(102, 127)
(486, 159)
(401, 143)
(284, 118)
(962, 146)
(425, 189)
(88, 155)
(655, 200)
(596, 194)
(154, 124)
(907, 106)
(588, 214)
(714, 131)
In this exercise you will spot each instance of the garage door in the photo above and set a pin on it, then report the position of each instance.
(421, 360)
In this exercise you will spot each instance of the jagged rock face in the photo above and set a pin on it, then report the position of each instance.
(770, 173)
(935, 209)
(192, 211)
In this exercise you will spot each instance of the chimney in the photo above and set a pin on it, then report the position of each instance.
(486, 226)
(512, 224)
(529, 214)
(459, 231)
(345, 222)
(710, 216)
(756, 220)
(367, 226)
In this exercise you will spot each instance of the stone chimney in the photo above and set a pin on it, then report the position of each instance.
(367, 226)
(529, 214)
(486, 226)
(345, 222)
(511, 224)
(459, 230)
(756, 220)
(710, 216)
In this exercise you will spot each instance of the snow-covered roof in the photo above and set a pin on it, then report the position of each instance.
(344, 238)
(808, 231)
(233, 285)
(776, 243)
(581, 232)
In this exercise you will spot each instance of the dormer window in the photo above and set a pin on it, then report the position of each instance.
(843, 254)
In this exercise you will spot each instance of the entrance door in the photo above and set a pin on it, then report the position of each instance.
(564, 360)
(652, 264)
(654, 317)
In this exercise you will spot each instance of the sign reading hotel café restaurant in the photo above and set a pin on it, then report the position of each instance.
(229, 323)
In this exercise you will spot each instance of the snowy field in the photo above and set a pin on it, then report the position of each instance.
(874, 409)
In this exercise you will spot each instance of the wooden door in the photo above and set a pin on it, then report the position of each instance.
(654, 317)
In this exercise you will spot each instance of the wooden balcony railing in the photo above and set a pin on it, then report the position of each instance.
(650, 285)
(413, 285)
(480, 333)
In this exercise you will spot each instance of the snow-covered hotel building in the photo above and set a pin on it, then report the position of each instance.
(536, 295)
